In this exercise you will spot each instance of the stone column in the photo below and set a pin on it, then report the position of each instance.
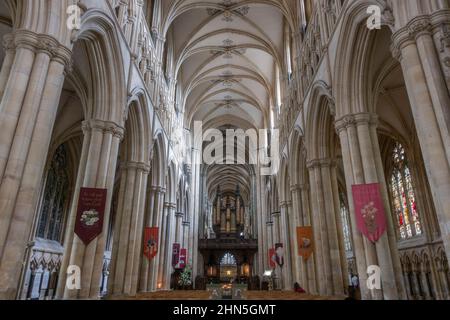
(300, 272)
(417, 285)
(185, 244)
(195, 211)
(426, 288)
(407, 285)
(277, 239)
(158, 215)
(325, 227)
(179, 228)
(286, 238)
(129, 224)
(31, 88)
(260, 264)
(311, 284)
(97, 170)
(429, 98)
(144, 273)
(10, 50)
(170, 232)
(339, 227)
(444, 283)
(270, 243)
(163, 246)
(363, 165)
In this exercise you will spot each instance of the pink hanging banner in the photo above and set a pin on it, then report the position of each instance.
(369, 210)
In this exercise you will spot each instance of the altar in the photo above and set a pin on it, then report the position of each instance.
(227, 291)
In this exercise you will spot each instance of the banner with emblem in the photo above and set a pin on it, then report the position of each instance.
(90, 214)
(305, 242)
(369, 210)
(279, 254)
(175, 254)
(151, 242)
(182, 260)
(272, 262)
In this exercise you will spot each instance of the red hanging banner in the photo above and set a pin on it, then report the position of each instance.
(151, 242)
(182, 259)
(369, 210)
(175, 254)
(90, 214)
(272, 258)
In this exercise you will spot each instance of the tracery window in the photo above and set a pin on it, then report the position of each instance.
(51, 217)
(345, 218)
(404, 201)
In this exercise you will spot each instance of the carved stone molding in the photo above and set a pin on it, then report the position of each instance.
(344, 123)
(139, 166)
(170, 205)
(157, 190)
(8, 42)
(104, 127)
(355, 120)
(321, 163)
(407, 35)
(285, 204)
(40, 43)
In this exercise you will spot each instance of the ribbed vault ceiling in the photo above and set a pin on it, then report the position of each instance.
(226, 54)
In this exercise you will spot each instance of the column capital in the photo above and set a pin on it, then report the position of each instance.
(170, 205)
(321, 163)
(141, 166)
(8, 42)
(157, 189)
(39, 43)
(179, 214)
(366, 118)
(276, 214)
(407, 35)
(186, 224)
(104, 127)
(285, 204)
(356, 119)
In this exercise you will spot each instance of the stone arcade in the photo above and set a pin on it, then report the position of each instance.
(111, 105)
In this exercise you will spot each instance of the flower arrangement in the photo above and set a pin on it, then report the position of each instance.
(90, 217)
(185, 277)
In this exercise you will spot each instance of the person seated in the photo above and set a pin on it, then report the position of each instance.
(298, 288)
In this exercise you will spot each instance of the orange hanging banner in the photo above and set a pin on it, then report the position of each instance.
(305, 242)
(151, 242)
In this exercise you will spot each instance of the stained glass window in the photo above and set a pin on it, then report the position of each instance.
(345, 224)
(403, 197)
(55, 198)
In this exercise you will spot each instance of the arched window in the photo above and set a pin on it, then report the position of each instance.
(345, 218)
(403, 196)
(54, 202)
